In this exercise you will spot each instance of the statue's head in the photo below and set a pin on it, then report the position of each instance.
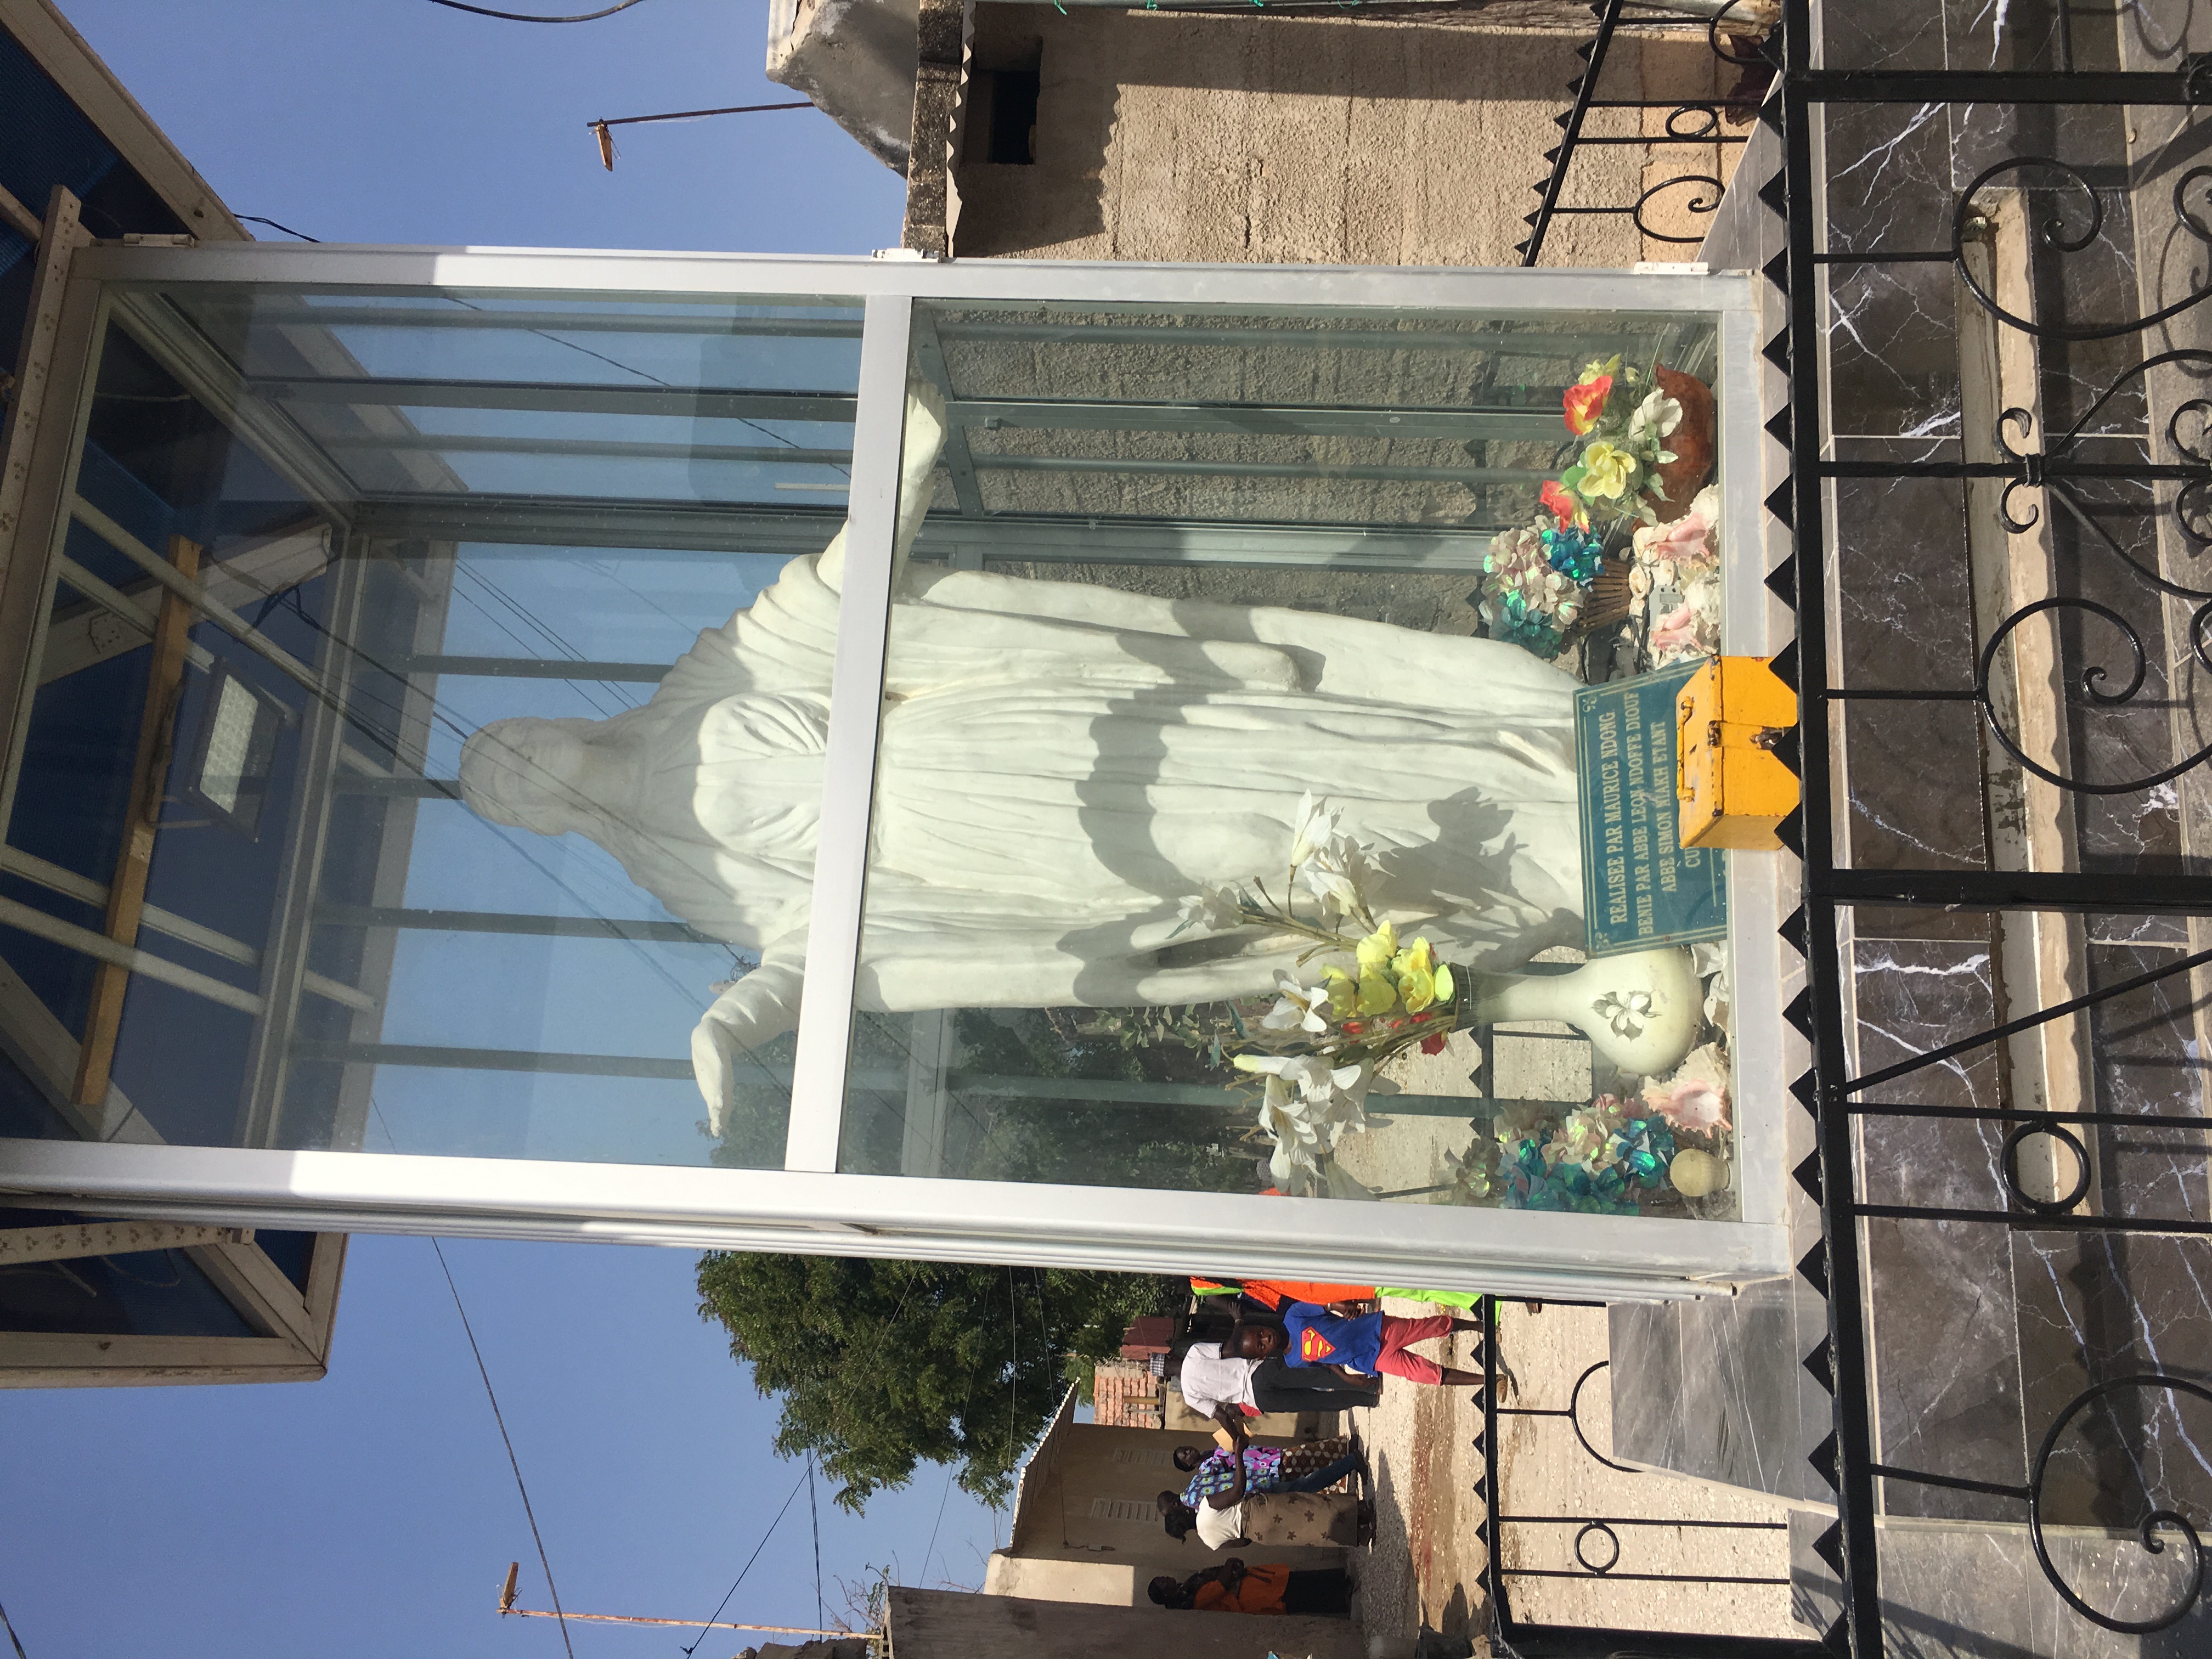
(528, 774)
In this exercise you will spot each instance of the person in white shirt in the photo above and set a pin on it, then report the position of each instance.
(1230, 1388)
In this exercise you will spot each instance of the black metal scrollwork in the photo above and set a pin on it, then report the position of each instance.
(2091, 686)
(1762, 54)
(2157, 1522)
(1695, 204)
(2056, 469)
(1609, 1535)
(2046, 1206)
(2054, 235)
(1708, 132)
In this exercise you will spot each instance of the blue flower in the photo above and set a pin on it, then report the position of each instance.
(1575, 554)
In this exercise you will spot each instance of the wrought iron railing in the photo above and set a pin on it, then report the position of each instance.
(1597, 1545)
(1991, 381)
(1688, 120)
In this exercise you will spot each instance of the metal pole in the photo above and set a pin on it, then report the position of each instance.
(681, 1624)
(514, 1569)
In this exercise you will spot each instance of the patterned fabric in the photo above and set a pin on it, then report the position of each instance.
(1287, 1518)
(1263, 1472)
(1301, 1460)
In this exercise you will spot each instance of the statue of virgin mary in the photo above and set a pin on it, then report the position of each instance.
(1061, 765)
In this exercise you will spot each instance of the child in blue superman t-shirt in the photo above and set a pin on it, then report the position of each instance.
(1311, 1335)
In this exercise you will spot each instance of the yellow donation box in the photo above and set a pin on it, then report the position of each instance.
(1733, 788)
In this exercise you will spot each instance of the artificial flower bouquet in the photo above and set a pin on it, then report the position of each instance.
(1534, 584)
(1625, 420)
(1316, 1050)
(1676, 578)
(1370, 996)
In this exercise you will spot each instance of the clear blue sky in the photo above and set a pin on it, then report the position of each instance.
(373, 1514)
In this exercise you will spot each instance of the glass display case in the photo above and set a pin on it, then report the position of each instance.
(1031, 761)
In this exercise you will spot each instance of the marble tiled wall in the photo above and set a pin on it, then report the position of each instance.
(1981, 1333)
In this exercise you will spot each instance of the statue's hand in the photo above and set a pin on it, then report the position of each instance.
(761, 1005)
(925, 423)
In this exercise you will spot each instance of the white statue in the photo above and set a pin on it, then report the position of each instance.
(1060, 764)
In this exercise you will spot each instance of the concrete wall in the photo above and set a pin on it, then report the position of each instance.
(1087, 1500)
(1275, 140)
(1329, 140)
(857, 60)
(952, 1624)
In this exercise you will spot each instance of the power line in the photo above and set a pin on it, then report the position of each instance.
(754, 1557)
(508, 1441)
(256, 219)
(497, 1416)
(940, 1522)
(534, 17)
(815, 1509)
(15, 1640)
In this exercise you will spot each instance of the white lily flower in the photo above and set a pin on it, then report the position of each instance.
(1298, 1007)
(1345, 1100)
(1315, 825)
(1338, 893)
(1291, 1160)
(1214, 909)
(1656, 417)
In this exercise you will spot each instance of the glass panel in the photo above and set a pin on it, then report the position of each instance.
(446, 857)
(1228, 774)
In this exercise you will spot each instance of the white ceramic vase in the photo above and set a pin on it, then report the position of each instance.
(1641, 1012)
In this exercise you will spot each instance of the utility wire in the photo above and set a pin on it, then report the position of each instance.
(15, 1640)
(533, 17)
(256, 219)
(940, 1522)
(754, 1557)
(815, 1508)
(508, 1441)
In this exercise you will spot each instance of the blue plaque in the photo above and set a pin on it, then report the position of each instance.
(1641, 887)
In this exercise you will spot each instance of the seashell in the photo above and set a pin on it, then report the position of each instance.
(1694, 1173)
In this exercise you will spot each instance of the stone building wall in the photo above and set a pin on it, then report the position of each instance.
(1304, 140)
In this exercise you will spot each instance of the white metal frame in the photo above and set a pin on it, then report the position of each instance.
(808, 1207)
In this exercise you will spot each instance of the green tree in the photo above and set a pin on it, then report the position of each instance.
(881, 1365)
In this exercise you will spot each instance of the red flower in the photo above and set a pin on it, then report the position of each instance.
(1434, 1043)
(1562, 504)
(1586, 403)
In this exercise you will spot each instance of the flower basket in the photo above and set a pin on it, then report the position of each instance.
(1692, 442)
(1608, 600)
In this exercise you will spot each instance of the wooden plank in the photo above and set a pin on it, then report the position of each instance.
(69, 1359)
(126, 894)
(19, 218)
(92, 1237)
(34, 358)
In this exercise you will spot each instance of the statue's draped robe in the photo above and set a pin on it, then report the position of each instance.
(1060, 764)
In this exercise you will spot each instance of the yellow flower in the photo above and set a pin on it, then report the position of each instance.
(1377, 994)
(1415, 969)
(1606, 471)
(1609, 366)
(1343, 992)
(1444, 982)
(1377, 948)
